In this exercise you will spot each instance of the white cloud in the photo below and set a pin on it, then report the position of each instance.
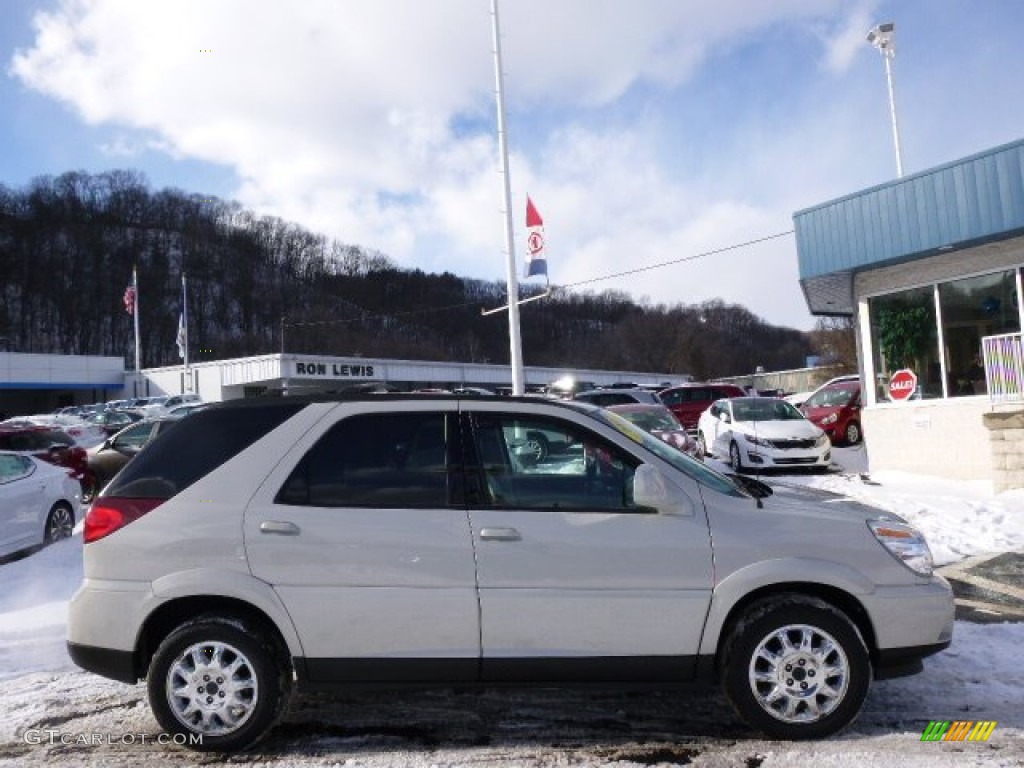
(344, 117)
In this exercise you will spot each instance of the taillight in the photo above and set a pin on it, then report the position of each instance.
(107, 515)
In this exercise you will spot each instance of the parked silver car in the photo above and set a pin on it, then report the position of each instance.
(263, 545)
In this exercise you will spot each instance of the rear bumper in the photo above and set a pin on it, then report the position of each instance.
(107, 662)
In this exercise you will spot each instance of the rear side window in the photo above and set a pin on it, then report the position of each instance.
(378, 460)
(189, 450)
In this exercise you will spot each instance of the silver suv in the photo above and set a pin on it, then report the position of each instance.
(268, 545)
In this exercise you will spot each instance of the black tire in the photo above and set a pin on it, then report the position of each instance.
(537, 445)
(60, 522)
(852, 433)
(219, 661)
(796, 691)
(735, 461)
(90, 487)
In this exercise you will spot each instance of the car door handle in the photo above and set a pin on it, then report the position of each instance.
(500, 534)
(282, 527)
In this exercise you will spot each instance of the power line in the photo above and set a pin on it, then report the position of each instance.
(659, 265)
(680, 260)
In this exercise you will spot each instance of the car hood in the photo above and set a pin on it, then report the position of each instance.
(778, 430)
(820, 411)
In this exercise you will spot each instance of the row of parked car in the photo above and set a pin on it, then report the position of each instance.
(51, 464)
(746, 429)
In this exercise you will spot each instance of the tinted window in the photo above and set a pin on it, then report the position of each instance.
(135, 437)
(578, 471)
(381, 460)
(193, 448)
(34, 440)
(671, 397)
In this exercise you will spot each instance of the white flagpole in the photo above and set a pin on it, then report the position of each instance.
(184, 315)
(135, 314)
(515, 341)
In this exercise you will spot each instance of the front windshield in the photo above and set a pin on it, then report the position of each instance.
(764, 409)
(652, 419)
(681, 461)
(831, 397)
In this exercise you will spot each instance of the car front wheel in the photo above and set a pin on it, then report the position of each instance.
(852, 433)
(219, 683)
(795, 667)
(734, 457)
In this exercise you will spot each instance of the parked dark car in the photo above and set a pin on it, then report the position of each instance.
(113, 422)
(836, 409)
(689, 401)
(618, 396)
(54, 446)
(106, 460)
(660, 422)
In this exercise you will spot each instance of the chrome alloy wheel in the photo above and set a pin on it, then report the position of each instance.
(799, 674)
(212, 688)
(60, 522)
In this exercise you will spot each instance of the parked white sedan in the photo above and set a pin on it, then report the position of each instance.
(762, 432)
(38, 502)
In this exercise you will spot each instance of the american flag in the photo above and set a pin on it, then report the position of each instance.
(129, 299)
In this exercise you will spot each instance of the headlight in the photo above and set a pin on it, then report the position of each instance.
(758, 441)
(832, 418)
(821, 441)
(905, 543)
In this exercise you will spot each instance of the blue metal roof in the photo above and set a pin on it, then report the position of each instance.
(970, 201)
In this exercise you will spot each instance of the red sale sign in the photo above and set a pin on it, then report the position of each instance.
(902, 384)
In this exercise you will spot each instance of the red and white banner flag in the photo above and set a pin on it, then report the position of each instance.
(536, 261)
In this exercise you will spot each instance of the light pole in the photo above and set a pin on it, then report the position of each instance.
(883, 37)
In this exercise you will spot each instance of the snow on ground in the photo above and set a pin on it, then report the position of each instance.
(44, 699)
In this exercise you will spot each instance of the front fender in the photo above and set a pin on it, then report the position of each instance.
(788, 570)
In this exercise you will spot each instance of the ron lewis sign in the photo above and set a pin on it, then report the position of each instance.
(332, 369)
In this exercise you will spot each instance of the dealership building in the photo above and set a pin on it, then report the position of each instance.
(930, 266)
(34, 383)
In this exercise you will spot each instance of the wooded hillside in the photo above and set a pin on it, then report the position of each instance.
(68, 244)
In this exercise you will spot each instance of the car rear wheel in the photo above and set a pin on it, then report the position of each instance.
(219, 679)
(60, 522)
(734, 457)
(795, 667)
(852, 433)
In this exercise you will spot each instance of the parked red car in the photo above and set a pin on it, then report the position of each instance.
(836, 409)
(689, 401)
(51, 445)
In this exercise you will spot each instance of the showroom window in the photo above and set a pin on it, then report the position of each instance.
(971, 309)
(379, 460)
(904, 334)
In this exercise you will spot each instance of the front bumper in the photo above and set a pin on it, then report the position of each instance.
(910, 623)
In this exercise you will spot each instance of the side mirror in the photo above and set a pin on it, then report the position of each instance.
(652, 489)
(724, 416)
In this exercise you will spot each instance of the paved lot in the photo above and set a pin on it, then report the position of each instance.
(988, 588)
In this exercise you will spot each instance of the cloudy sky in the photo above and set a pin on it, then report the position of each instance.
(644, 130)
